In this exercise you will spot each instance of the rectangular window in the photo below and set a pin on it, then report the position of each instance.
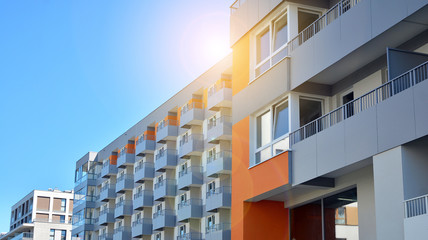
(158, 236)
(182, 230)
(62, 219)
(211, 187)
(63, 234)
(271, 45)
(272, 131)
(52, 234)
(63, 205)
(210, 221)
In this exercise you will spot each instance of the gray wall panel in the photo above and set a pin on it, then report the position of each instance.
(331, 149)
(302, 61)
(361, 136)
(326, 48)
(303, 161)
(353, 33)
(415, 168)
(386, 13)
(396, 120)
(413, 5)
(421, 108)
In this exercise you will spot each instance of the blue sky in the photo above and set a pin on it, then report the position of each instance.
(76, 74)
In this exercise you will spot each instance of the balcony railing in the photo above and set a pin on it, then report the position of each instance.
(194, 169)
(163, 213)
(218, 86)
(192, 137)
(220, 155)
(332, 14)
(224, 189)
(416, 206)
(236, 5)
(190, 236)
(370, 99)
(217, 227)
(23, 236)
(188, 202)
(189, 107)
(220, 120)
(160, 154)
(166, 123)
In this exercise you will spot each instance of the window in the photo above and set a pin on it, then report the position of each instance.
(183, 198)
(158, 236)
(63, 234)
(212, 122)
(63, 204)
(62, 218)
(271, 44)
(183, 169)
(182, 230)
(52, 234)
(211, 187)
(272, 132)
(211, 155)
(210, 222)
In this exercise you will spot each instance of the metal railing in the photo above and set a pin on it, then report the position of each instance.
(164, 182)
(218, 121)
(143, 165)
(166, 123)
(124, 203)
(192, 137)
(225, 154)
(24, 235)
(188, 202)
(385, 91)
(125, 177)
(145, 137)
(142, 221)
(188, 107)
(415, 206)
(332, 14)
(190, 236)
(235, 5)
(143, 192)
(107, 186)
(195, 169)
(218, 86)
(217, 227)
(219, 190)
(160, 154)
(163, 213)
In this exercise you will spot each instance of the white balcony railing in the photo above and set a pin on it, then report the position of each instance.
(385, 91)
(415, 206)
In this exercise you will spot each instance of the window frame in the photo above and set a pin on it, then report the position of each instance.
(272, 111)
(270, 27)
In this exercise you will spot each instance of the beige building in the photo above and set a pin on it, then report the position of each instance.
(44, 215)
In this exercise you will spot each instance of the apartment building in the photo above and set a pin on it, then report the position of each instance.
(329, 119)
(41, 215)
(168, 176)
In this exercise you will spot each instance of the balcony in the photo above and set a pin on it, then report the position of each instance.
(220, 163)
(123, 208)
(23, 236)
(105, 236)
(192, 145)
(415, 217)
(142, 227)
(107, 192)
(165, 188)
(190, 236)
(124, 182)
(166, 159)
(143, 199)
(192, 208)
(363, 123)
(108, 170)
(163, 219)
(126, 157)
(144, 171)
(218, 232)
(190, 177)
(122, 233)
(168, 130)
(219, 198)
(220, 95)
(220, 129)
(145, 143)
(192, 115)
(106, 216)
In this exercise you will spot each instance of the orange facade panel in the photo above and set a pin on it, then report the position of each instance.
(251, 182)
(113, 159)
(241, 65)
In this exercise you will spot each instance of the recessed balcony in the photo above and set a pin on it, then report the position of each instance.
(220, 129)
(193, 114)
(219, 163)
(144, 171)
(191, 145)
(190, 177)
(218, 232)
(142, 226)
(107, 192)
(220, 95)
(143, 199)
(218, 198)
(123, 208)
(124, 182)
(166, 159)
(145, 143)
(122, 233)
(106, 216)
(192, 208)
(164, 218)
(167, 130)
(165, 188)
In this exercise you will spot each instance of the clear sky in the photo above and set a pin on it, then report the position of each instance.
(76, 74)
